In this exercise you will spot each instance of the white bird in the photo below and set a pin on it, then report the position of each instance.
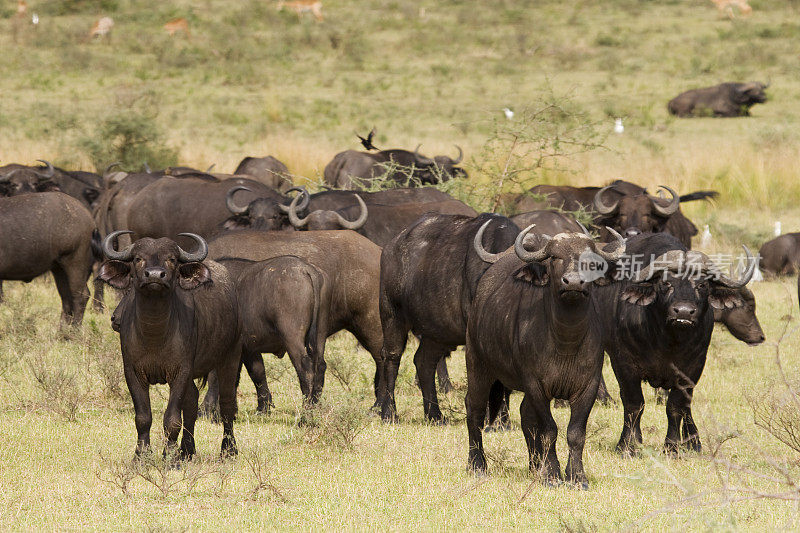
(35, 19)
(705, 238)
(509, 113)
(618, 127)
(777, 228)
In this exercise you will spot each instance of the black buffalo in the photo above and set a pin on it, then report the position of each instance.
(48, 232)
(356, 170)
(177, 322)
(723, 100)
(429, 275)
(534, 327)
(658, 323)
(21, 179)
(284, 303)
(379, 223)
(624, 206)
(267, 170)
(350, 262)
(781, 255)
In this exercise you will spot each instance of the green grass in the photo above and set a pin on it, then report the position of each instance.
(253, 81)
(61, 471)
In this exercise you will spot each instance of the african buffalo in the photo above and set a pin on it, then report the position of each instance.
(378, 223)
(548, 222)
(43, 232)
(20, 179)
(283, 305)
(658, 323)
(356, 170)
(177, 322)
(723, 100)
(624, 206)
(781, 255)
(350, 262)
(266, 170)
(172, 205)
(533, 326)
(429, 274)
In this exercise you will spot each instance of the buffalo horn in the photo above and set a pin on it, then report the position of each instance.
(673, 205)
(199, 255)
(525, 255)
(108, 247)
(601, 207)
(232, 207)
(357, 223)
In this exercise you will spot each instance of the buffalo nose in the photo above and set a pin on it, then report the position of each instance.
(630, 232)
(155, 272)
(684, 310)
(572, 281)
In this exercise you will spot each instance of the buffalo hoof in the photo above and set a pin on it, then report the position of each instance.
(211, 412)
(627, 451)
(477, 463)
(229, 449)
(498, 427)
(445, 386)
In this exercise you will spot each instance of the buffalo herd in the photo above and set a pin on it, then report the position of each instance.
(213, 270)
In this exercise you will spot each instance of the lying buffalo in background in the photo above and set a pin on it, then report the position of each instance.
(379, 223)
(429, 275)
(723, 100)
(48, 232)
(533, 326)
(177, 322)
(355, 170)
(266, 170)
(350, 261)
(781, 255)
(658, 324)
(624, 206)
(284, 303)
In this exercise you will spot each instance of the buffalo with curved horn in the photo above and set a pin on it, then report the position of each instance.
(172, 333)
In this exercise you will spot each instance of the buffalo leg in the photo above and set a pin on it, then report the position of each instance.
(190, 397)
(540, 429)
(228, 373)
(445, 385)
(499, 399)
(679, 411)
(254, 363)
(630, 392)
(303, 365)
(64, 292)
(395, 337)
(602, 393)
(479, 383)
(427, 357)
(1, 291)
(320, 366)
(140, 394)
(576, 434)
(97, 297)
(210, 406)
(172, 414)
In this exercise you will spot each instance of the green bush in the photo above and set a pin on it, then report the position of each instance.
(131, 138)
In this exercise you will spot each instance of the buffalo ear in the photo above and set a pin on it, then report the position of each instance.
(639, 294)
(236, 222)
(533, 273)
(91, 195)
(725, 298)
(192, 275)
(115, 273)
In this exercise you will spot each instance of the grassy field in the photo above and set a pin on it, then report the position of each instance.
(253, 81)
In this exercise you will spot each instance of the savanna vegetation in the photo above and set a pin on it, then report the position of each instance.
(255, 81)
